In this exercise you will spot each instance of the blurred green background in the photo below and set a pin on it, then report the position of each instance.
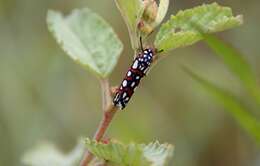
(44, 95)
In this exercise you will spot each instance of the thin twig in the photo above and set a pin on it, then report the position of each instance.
(107, 117)
(109, 111)
(106, 95)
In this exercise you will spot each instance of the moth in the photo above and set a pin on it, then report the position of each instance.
(133, 76)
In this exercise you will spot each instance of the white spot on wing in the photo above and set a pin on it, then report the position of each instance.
(124, 94)
(146, 70)
(116, 98)
(129, 73)
(124, 83)
(135, 65)
(120, 105)
(133, 84)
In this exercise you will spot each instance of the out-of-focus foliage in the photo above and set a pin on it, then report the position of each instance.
(87, 39)
(46, 154)
(236, 63)
(153, 154)
(237, 110)
(186, 26)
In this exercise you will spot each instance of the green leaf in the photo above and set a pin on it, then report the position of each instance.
(47, 154)
(153, 154)
(152, 16)
(162, 11)
(87, 39)
(232, 105)
(131, 11)
(187, 27)
(236, 63)
(157, 153)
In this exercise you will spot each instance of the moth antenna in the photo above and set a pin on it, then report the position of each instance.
(141, 44)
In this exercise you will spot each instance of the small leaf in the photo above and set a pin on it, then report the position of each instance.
(150, 11)
(232, 105)
(162, 11)
(153, 154)
(158, 153)
(47, 154)
(131, 11)
(87, 39)
(152, 16)
(236, 63)
(186, 27)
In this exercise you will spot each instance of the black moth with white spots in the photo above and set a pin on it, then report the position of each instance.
(139, 68)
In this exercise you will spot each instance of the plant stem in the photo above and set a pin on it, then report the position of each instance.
(109, 111)
(106, 95)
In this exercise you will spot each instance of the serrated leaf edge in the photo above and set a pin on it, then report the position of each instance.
(60, 42)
